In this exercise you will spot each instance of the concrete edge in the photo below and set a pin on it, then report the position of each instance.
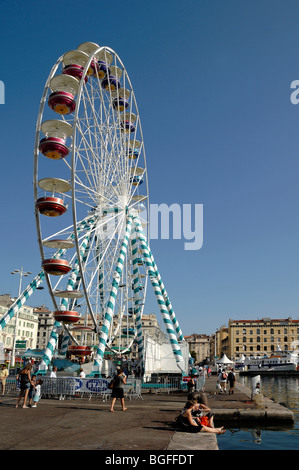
(193, 441)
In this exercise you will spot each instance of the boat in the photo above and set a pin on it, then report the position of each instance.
(277, 361)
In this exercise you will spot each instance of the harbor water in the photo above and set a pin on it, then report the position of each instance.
(284, 390)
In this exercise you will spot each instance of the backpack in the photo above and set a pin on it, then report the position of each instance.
(23, 378)
(224, 375)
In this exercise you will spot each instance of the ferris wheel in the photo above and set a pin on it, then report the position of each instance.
(91, 197)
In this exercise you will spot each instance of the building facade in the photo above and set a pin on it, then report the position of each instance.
(261, 337)
(45, 326)
(26, 328)
(219, 344)
(199, 344)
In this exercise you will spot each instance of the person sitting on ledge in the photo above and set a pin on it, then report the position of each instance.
(202, 414)
(188, 423)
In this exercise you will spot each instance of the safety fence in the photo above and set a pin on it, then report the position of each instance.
(171, 384)
(71, 387)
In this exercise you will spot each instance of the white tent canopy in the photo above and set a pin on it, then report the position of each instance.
(224, 360)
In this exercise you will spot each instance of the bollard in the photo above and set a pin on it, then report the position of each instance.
(255, 385)
(256, 395)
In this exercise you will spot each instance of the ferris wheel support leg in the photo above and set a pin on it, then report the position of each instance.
(137, 309)
(160, 299)
(49, 351)
(101, 274)
(112, 297)
(21, 300)
(171, 312)
(64, 343)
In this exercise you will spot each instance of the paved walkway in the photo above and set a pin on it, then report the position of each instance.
(80, 424)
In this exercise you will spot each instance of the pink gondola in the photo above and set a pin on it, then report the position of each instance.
(54, 148)
(66, 316)
(64, 88)
(80, 350)
(53, 145)
(62, 102)
(51, 206)
(56, 267)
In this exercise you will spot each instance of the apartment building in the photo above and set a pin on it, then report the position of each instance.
(45, 326)
(261, 337)
(200, 345)
(26, 326)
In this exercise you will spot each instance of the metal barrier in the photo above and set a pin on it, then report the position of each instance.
(12, 386)
(71, 387)
(172, 384)
(164, 384)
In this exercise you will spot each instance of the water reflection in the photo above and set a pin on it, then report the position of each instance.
(283, 390)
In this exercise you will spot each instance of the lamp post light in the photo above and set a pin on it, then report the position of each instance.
(21, 273)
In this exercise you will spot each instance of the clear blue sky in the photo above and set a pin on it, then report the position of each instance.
(212, 81)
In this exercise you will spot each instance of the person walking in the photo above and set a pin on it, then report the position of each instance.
(3, 377)
(24, 377)
(191, 384)
(222, 379)
(231, 378)
(118, 390)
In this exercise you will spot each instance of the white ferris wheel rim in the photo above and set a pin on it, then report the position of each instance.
(134, 198)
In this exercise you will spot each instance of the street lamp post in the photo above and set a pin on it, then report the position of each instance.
(21, 273)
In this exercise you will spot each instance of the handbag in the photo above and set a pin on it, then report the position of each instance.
(110, 385)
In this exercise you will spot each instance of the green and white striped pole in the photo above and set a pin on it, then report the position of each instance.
(137, 309)
(112, 298)
(21, 300)
(49, 351)
(171, 312)
(159, 296)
